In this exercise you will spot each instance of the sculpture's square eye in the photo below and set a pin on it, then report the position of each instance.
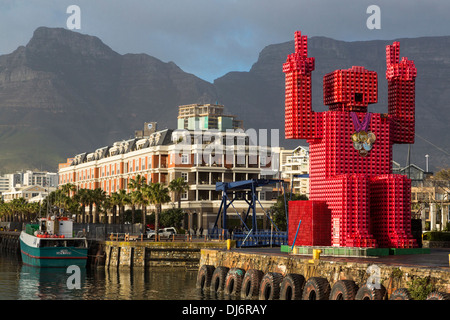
(358, 97)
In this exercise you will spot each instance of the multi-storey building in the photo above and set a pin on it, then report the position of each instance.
(206, 117)
(295, 169)
(40, 178)
(28, 178)
(200, 157)
(32, 193)
(4, 183)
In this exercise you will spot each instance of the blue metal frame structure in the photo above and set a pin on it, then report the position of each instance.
(247, 186)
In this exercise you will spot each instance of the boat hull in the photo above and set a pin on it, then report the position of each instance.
(55, 256)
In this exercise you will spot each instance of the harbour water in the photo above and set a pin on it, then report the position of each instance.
(22, 282)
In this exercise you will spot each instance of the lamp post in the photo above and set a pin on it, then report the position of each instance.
(426, 162)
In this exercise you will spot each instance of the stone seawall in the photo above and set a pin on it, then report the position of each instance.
(392, 276)
(9, 240)
(130, 254)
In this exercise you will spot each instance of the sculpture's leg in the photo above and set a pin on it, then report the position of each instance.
(391, 211)
(349, 202)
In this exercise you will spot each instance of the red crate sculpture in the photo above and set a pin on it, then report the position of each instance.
(351, 152)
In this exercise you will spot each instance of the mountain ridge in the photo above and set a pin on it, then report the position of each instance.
(64, 93)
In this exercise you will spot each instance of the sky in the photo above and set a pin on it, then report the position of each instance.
(209, 38)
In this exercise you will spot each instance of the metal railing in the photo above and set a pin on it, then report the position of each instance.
(96, 231)
(251, 238)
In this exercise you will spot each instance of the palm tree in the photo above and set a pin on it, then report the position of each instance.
(2, 210)
(107, 205)
(114, 199)
(159, 195)
(67, 188)
(83, 197)
(123, 198)
(135, 199)
(178, 185)
(33, 209)
(146, 196)
(98, 196)
(18, 207)
(137, 183)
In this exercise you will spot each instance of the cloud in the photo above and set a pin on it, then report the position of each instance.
(211, 37)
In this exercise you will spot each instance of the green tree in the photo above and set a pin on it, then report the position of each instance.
(159, 195)
(279, 209)
(114, 199)
(98, 196)
(137, 183)
(107, 205)
(136, 198)
(90, 203)
(82, 197)
(68, 188)
(178, 186)
(123, 199)
(172, 217)
(146, 195)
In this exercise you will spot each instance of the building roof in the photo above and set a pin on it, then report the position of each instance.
(163, 137)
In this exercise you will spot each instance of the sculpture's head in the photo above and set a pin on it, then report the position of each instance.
(350, 90)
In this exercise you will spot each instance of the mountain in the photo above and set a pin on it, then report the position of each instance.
(65, 93)
(261, 90)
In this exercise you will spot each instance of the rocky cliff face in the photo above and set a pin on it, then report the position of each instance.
(65, 93)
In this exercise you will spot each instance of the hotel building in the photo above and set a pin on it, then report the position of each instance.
(200, 157)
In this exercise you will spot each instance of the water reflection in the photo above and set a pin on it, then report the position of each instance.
(99, 284)
(18, 281)
(47, 283)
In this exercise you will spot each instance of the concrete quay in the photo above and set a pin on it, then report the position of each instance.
(141, 254)
(395, 271)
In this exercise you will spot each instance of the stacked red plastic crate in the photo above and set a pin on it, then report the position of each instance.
(401, 94)
(300, 121)
(315, 226)
(390, 207)
(351, 89)
(369, 205)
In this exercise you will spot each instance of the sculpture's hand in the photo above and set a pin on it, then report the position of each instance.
(404, 69)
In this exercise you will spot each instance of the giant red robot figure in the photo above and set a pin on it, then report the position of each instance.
(355, 200)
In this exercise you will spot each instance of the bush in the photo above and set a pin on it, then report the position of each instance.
(420, 288)
(279, 210)
(172, 218)
(436, 236)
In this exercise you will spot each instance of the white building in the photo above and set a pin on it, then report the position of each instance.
(295, 169)
(44, 179)
(29, 193)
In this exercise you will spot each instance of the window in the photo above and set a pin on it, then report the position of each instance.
(184, 196)
(184, 159)
(262, 161)
(184, 175)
